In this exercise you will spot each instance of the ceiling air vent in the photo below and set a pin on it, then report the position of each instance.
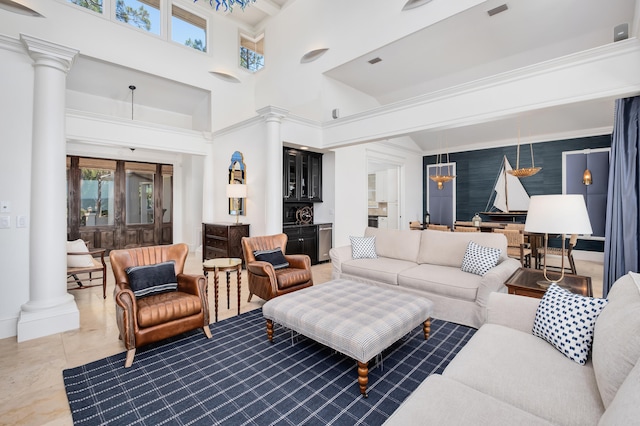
(497, 10)
(374, 60)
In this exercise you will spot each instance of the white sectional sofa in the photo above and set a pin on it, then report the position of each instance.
(507, 376)
(428, 263)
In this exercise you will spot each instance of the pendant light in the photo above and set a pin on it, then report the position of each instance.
(525, 171)
(586, 176)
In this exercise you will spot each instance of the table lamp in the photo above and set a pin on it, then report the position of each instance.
(236, 192)
(557, 214)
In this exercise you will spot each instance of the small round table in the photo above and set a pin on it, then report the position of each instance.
(223, 265)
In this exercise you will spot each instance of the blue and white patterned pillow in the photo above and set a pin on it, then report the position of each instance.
(363, 247)
(479, 259)
(566, 320)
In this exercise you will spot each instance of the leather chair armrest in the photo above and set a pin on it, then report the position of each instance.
(196, 285)
(192, 284)
(298, 261)
(263, 269)
(126, 314)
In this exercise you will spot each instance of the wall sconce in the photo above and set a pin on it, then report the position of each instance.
(236, 192)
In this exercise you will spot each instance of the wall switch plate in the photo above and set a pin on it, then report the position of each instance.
(5, 206)
(5, 221)
(21, 222)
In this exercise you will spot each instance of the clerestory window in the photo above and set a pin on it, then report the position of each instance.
(252, 52)
(188, 29)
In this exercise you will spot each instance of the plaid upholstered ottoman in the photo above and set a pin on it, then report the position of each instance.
(356, 319)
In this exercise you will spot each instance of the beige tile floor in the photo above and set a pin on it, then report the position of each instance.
(32, 390)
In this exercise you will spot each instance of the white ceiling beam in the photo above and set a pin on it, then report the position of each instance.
(266, 6)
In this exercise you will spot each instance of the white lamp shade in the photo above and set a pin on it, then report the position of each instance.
(558, 214)
(237, 190)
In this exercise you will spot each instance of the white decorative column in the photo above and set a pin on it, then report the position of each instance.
(50, 308)
(273, 183)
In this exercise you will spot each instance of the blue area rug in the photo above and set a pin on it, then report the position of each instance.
(239, 378)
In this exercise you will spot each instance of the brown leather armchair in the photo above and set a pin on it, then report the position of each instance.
(158, 316)
(266, 282)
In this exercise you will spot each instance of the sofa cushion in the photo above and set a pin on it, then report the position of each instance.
(78, 260)
(275, 257)
(363, 247)
(382, 269)
(442, 280)
(526, 372)
(395, 244)
(479, 259)
(448, 248)
(164, 307)
(566, 320)
(440, 401)
(146, 280)
(616, 340)
(624, 409)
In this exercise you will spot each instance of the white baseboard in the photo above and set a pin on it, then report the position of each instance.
(8, 327)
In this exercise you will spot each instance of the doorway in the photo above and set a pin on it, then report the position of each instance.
(116, 204)
(383, 194)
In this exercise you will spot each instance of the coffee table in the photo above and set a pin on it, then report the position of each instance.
(524, 282)
(356, 319)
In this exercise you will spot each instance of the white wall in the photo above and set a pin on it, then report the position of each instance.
(15, 177)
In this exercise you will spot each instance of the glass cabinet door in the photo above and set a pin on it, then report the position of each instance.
(315, 181)
(291, 180)
(304, 177)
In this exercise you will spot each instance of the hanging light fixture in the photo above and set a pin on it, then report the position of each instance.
(228, 4)
(132, 88)
(586, 176)
(525, 171)
(440, 178)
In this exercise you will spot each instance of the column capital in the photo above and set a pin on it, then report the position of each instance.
(272, 113)
(53, 54)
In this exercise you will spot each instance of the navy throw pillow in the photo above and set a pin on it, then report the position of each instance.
(274, 257)
(152, 279)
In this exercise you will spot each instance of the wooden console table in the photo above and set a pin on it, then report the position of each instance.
(524, 282)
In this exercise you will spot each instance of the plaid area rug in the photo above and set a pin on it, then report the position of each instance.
(239, 378)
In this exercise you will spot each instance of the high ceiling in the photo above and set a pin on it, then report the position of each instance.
(463, 48)
(473, 45)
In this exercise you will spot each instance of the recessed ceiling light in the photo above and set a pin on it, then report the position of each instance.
(15, 7)
(497, 10)
(412, 4)
(312, 55)
(225, 76)
(374, 60)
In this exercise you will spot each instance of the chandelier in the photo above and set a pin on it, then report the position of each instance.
(440, 178)
(228, 4)
(525, 171)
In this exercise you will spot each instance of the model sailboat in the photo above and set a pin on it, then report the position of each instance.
(510, 199)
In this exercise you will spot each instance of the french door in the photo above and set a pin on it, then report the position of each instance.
(116, 204)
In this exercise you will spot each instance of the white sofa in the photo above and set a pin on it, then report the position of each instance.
(428, 263)
(507, 376)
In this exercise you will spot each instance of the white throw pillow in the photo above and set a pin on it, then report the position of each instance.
(363, 247)
(78, 261)
(479, 259)
(566, 320)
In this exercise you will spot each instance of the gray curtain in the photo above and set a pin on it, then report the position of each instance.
(622, 240)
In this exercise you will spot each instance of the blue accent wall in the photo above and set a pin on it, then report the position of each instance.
(476, 173)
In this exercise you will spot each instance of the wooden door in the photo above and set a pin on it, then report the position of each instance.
(116, 204)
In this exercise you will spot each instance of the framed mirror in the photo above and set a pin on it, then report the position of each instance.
(237, 176)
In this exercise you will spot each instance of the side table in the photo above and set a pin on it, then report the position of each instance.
(223, 265)
(524, 282)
